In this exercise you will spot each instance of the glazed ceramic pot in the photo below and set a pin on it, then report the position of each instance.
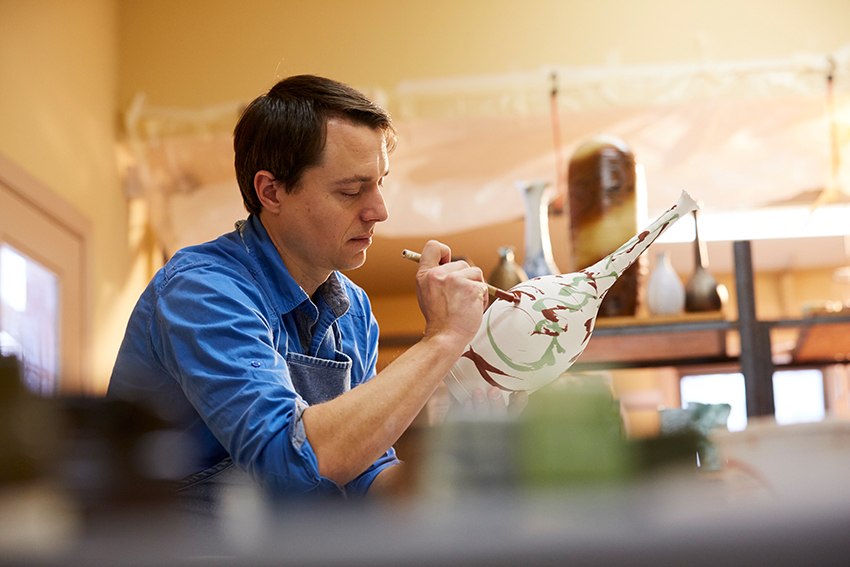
(702, 292)
(507, 272)
(602, 182)
(525, 345)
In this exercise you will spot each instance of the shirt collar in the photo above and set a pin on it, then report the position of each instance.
(334, 296)
(287, 292)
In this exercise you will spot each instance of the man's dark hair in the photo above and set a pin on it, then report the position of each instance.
(284, 131)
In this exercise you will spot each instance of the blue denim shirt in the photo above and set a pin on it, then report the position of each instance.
(208, 346)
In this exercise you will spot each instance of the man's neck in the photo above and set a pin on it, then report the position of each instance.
(299, 271)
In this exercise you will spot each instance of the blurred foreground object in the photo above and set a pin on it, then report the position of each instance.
(701, 419)
(572, 434)
(570, 437)
(28, 427)
(100, 454)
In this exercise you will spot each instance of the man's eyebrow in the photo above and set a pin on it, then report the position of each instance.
(357, 179)
(353, 179)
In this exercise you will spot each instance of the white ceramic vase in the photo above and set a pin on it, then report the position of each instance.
(665, 292)
(522, 346)
(538, 259)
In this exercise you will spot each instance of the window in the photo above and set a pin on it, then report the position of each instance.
(42, 282)
(718, 389)
(798, 395)
(29, 318)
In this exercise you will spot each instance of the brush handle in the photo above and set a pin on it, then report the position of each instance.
(494, 291)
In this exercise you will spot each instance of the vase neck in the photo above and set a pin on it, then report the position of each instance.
(608, 269)
(537, 239)
(700, 253)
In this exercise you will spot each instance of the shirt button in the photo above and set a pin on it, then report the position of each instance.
(255, 363)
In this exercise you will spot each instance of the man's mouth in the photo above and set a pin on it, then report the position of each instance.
(363, 239)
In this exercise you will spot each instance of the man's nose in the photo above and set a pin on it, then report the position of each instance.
(376, 209)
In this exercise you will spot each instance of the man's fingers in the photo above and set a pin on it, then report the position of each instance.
(434, 253)
(495, 396)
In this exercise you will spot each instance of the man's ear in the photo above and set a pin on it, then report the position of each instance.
(266, 189)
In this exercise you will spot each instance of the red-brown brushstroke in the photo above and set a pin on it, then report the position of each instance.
(591, 280)
(484, 368)
(546, 331)
(549, 312)
(518, 292)
(588, 326)
(641, 237)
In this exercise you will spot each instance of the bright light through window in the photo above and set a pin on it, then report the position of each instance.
(798, 395)
(718, 389)
(29, 317)
(13, 279)
(759, 224)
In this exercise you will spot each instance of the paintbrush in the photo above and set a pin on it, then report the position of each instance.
(494, 291)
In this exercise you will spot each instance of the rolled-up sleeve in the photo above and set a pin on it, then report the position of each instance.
(225, 359)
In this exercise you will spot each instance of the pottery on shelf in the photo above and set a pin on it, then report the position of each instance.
(665, 292)
(525, 345)
(602, 184)
(507, 272)
(702, 292)
(538, 259)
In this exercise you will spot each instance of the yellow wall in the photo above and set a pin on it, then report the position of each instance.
(57, 120)
(190, 52)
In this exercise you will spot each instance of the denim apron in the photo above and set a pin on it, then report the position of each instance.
(316, 380)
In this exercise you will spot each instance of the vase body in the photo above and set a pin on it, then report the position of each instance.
(538, 259)
(507, 272)
(525, 345)
(665, 293)
(602, 187)
(702, 292)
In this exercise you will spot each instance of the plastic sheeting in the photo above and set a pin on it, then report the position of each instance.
(736, 136)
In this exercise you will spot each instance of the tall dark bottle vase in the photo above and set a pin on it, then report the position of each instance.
(702, 292)
(602, 186)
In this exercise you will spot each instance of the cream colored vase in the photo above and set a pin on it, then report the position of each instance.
(665, 292)
(524, 346)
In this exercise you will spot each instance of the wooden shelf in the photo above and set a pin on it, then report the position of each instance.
(823, 338)
(630, 341)
(655, 320)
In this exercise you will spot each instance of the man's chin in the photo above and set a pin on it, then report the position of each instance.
(354, 262)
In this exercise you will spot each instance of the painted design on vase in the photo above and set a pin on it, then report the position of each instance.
(526, 345)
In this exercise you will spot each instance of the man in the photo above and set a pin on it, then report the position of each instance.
(255, 342)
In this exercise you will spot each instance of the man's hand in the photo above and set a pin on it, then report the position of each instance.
(482, 405)
(492, 404)
(452, 295)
